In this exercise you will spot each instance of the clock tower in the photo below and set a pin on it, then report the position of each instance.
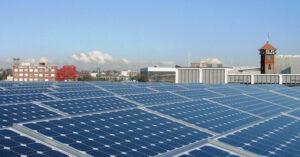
(267, 58)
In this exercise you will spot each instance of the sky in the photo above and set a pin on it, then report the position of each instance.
(130, 34)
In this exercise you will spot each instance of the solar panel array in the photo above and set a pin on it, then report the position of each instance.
(148, 119)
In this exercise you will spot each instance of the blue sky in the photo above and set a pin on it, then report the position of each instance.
(147, 32)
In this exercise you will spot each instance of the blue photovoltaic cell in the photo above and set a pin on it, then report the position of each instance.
(277, 137)
(131, 132)
(198, 94)
(295, 113)
(168, 88)
(290, 92)
(23, 98)
(72, 84)
(132, 91)
(207, 115)
(82, 106)
(270, 86)
(208, 150)
(68, 89)
(226, 91)
(81, 94)
(12, 144)
(119, 86)
(251, 105)
(16, 92)
(23, 113)
(194, 85)
(248, 89)
(156, 98)
(278, 99)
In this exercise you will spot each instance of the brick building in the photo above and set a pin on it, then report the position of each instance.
(37, 73)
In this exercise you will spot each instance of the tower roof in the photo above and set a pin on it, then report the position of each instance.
(268, 46)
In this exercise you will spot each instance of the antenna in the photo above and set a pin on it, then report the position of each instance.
(189, 60)
(268, 36)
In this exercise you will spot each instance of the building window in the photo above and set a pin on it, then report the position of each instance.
(52, 70)
(35, 74)
(16, 74)
(16, 70)
(41, 70)
(25, 70)
(30, 70)
(269, 66)
(269, 57)
(25, 74)
(21, 70)
(35, 70)
(41, 75)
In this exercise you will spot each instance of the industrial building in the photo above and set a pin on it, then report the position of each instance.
(158, 74)
(26, 72)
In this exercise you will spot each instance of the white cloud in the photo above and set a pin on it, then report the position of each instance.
(44, 60)
(170, 63)
(98, 57)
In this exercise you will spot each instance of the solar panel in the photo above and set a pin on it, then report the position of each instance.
(194, 85)
(276, 137)
(131, 132)
(15, 144)
(16, 92)
(295, 113)
(208, 150)
(132, 91)
(81, 94)
(289, 92)
(270, 86)
(82, 106)
(70, 89)
(207, 115)
(156, 98)
(248, 89)
(198, 94)
(251, 105)
(168, 88)
(23, 113)
(278, 99)
(119, 86)
(23, 98)
(226, 91)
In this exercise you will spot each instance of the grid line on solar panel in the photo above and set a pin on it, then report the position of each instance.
(23, 113)
(209, 150)
(168, 88)
(81, 106)
(13, 143)
(248, 89)
(197, 94)
(118, 86)
(130, 132)
(226, 91)
(81, 94)
(156, 98)
(295, 113)
(70, 89)
(20, 92)
(132, 91)
(288, 92)
(277, 99)
(23, 98)
(250, 105)
(208, 115)
(278, 136)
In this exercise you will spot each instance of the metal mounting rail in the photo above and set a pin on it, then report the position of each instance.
(178, 121)
(233, 108)
(267, 101)
(49, 141)
(51, 96)
(232, 148)
(50, 108)
(180, 95)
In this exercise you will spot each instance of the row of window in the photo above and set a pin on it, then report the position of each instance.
(34, 70)
(35, 80)
(31, 75)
